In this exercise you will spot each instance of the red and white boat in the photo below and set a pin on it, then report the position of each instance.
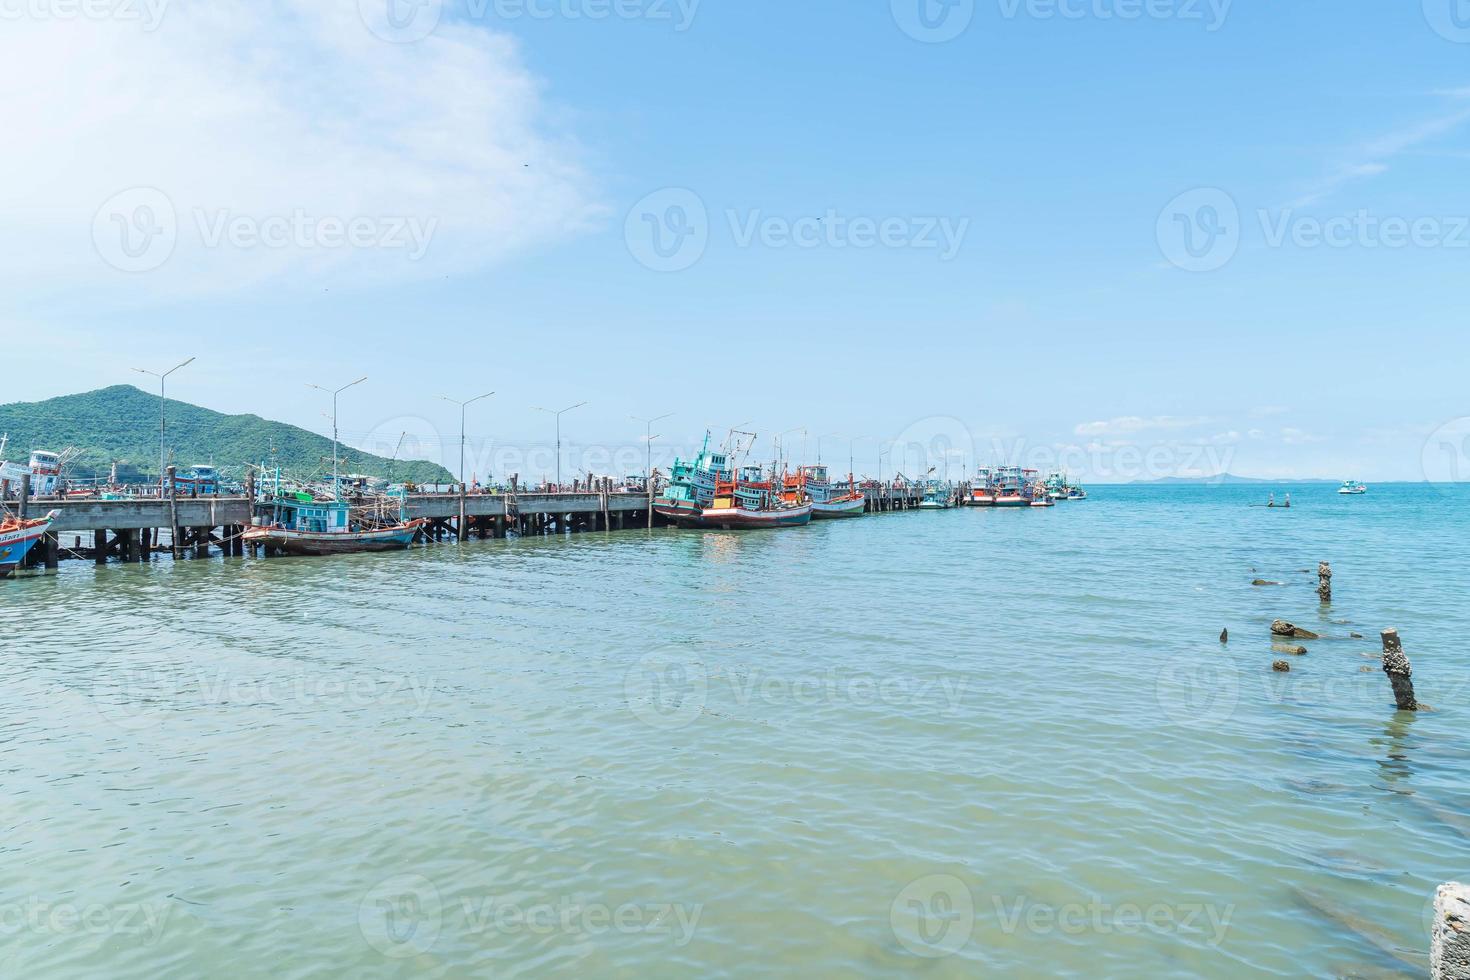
(828, 502)
(18, 537)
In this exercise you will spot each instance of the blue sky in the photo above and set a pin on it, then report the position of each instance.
(1227, 235)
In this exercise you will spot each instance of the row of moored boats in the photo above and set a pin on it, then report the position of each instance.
(714, 491)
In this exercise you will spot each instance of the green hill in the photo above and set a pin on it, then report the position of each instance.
(121, 424)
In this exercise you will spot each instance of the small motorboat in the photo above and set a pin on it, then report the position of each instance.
(1352, 487)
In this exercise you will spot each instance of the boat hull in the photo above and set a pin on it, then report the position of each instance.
(316, 543)
(835, 509)
(740, 519)
(675, 510)
(1011, 502)
(14, 545)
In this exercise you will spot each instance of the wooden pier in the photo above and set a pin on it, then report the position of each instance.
(133, 530)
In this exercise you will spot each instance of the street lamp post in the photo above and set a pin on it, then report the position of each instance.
(163, 416)
(462, 406)
(336, 484)
(648, 442)
(558, 413)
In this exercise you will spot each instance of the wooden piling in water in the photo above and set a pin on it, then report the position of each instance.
(25, 496)
(1449, 937)
(1400, 673)
(462, 529)
(1324, 583)
(173, 512)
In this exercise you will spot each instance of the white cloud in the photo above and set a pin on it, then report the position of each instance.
(287, 111)
(1129, 424)
(1371, 159)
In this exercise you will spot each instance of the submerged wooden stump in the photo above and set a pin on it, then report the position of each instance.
(1400, 673)
(1449, 939)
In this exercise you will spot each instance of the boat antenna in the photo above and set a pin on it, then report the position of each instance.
(396, 448)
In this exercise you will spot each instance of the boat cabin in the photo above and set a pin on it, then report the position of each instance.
(45, 472)
(301, 512)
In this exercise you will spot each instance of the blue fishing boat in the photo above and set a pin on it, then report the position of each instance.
(691, 486)
(199, 480)
(296, 521)
(17, 537)
(938, 495)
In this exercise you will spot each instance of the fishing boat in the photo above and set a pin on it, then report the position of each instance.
(982, 491)
(1352, 487)
(691, 485)
(296, 521)
(707, 493)
(1013, 487)
(829, 501)
(44, 469)
(937, 496)
(17, 537)
(199, 480)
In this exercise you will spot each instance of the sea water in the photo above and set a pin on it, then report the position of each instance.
(957, 742)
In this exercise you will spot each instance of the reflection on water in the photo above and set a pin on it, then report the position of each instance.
(956, 742)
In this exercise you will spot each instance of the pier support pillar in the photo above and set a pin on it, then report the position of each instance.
(53, 550)
(173, 513)
(99, 546)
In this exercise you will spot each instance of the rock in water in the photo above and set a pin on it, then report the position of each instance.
(1449, 939)
(1282, 628)
(1291, 648)
(1225, 636)
(1261, 581)
(1281, 667)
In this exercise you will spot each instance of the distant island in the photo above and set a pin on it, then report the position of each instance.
(119, 425)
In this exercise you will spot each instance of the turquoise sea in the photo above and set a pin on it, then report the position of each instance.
(955, 743)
